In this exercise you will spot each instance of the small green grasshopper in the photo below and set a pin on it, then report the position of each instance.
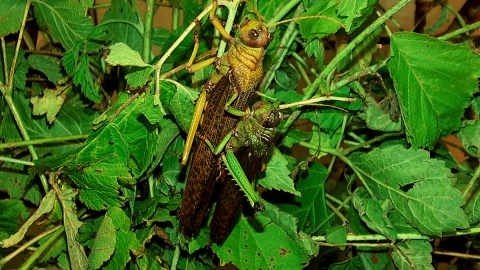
(242, 152)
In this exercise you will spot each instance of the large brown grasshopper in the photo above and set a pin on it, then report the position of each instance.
(236, 76)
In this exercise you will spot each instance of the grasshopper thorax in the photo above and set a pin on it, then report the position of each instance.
(254, 33)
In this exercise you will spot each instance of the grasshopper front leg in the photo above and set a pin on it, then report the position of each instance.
(237, 173)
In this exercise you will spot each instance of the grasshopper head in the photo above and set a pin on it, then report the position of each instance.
(254, 33)
(267, 114)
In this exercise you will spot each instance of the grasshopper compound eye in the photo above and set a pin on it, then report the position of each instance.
(255, 34)
(273, 120)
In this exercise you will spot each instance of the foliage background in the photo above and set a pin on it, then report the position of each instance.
(92, 131)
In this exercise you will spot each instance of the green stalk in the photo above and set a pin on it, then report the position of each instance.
(175, 18)
(44, 141)
(289, 5)
(460, 31)
(375, 237)
(148, 30)
(17, 161)
(471, 182)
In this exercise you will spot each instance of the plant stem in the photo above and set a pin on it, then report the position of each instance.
(356, 244)
(9, 80)
(457, 254)
(400, 236)
(175, 18)
(305, 64)
(17, 161)
(335, 200)
(369, 142)
(44, 141)
(284, 11)
(176, 256)
(315, 100)
(471, 182)
(337, 212)
(5, 66)
(148, 30)
(457, 15)
(58, 231)
(374, 237)
(460, 31)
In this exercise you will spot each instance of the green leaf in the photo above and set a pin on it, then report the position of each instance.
(126, 240)
(122, 55)
(17, 182)
(159, 37)
(337, 235)
(374, 213)
(140, 77)
(377, 119)
(419, 188)
(181, 105)
(277, 175)
(310, 209)
(45, 206)
(104, 243)
(50, 104)
(269, 9)
(137, 131)
(287, 77)
(356, 12)
(99, 183)
(124, 24)
(270, 247)
(316, 50)
(418, 253)
(78, 258)
(65, 20)
(372, 260)
(319, 27)
(361, 56)
(84, 78)
(12, 215)
(11, 15)
(48, 65)
(469, 135)
(295, 136)
(426, 74)
(171, 166)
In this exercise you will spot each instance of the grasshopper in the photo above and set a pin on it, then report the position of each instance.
(250, 142)
(236, 76)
